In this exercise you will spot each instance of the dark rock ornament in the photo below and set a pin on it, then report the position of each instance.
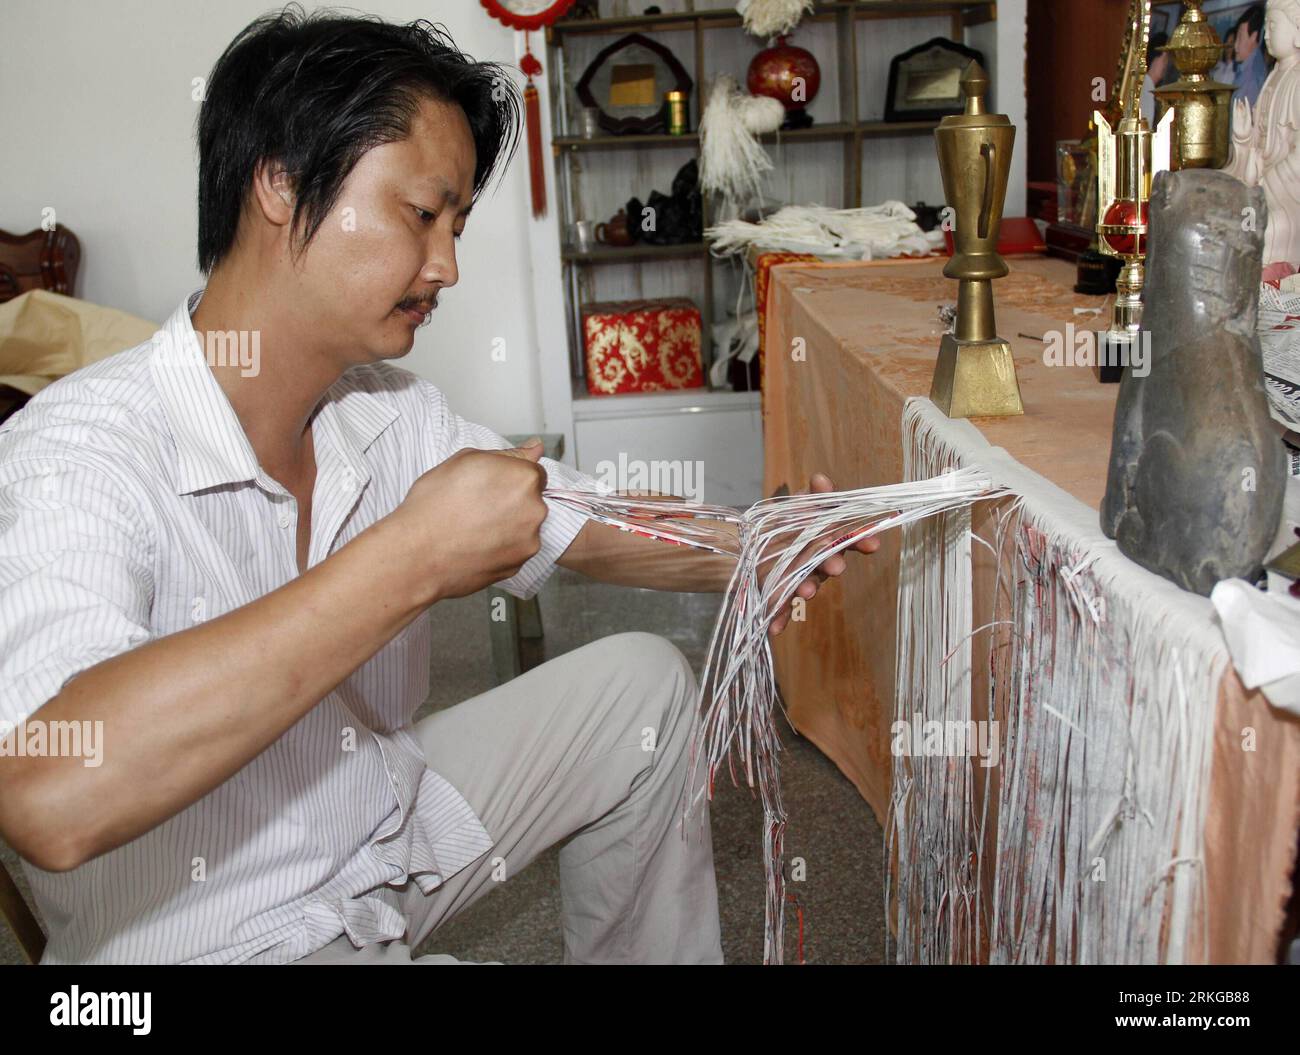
(1197, 471)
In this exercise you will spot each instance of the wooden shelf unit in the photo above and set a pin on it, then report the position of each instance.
(963, 12)
(851, 130)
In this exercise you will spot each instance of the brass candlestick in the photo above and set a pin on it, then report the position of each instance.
(1201, 106)
(1127, 157)
(975, 374)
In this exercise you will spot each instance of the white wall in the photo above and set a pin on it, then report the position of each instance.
(1006, 39)
(98, 122)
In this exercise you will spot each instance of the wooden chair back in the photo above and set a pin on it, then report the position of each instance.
(38, 260)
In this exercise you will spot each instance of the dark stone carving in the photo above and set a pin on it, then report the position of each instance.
(679, 217)
(1196, 465)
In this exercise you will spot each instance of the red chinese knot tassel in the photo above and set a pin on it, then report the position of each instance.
(533, 124)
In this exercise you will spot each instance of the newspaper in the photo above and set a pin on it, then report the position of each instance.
(1279, 337)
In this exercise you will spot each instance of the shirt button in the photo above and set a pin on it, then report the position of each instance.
(284, 520)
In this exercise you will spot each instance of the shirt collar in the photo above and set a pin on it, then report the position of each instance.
(211, 445)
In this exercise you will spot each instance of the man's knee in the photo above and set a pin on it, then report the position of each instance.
(655, 670)
(652, 659)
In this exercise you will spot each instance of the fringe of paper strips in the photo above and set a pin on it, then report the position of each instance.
(1084, 844)
(789, 536)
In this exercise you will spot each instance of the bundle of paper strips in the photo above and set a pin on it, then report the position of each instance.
(778, 543)
(874, 232)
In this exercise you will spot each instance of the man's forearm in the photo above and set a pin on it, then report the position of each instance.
(621, 558)
(185, 712)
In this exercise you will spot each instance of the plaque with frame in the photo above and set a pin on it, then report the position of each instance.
(626, 83)
(925, 81)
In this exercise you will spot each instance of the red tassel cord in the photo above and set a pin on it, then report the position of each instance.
(533, 123)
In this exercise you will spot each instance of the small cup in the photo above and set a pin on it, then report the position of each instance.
(590, 122)
(584, 235)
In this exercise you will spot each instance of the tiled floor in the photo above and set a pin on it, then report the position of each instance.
(830, 826)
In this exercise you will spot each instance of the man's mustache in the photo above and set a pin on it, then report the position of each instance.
(421, 304)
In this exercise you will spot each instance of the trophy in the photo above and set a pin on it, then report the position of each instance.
(975, 374)
(1127, 157)
(1202, 118)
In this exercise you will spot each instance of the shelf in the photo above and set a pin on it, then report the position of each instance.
(587, 407)
(829, 131)
(609, 254)
(654, 139)
(879, 129)
(838, 130)
(973, 12)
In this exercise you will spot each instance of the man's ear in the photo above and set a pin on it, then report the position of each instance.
(273, 192)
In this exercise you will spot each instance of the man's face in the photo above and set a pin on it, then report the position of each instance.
(372, 273)
(1245, 44)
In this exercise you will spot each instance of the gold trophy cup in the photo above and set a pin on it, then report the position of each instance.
(1128, 156)
(975, 374)
(1202, 120)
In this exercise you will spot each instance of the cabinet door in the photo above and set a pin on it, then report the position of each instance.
(715, 456)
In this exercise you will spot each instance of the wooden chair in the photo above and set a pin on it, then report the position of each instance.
(38, 260)
(35, 260)
(22, 921)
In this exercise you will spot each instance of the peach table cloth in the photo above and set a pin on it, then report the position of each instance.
(847, 345)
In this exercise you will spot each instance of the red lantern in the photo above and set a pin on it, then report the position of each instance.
(788, 74)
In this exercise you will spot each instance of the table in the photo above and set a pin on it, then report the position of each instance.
(849, 345)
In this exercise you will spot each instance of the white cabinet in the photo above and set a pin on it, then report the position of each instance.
(710, 443)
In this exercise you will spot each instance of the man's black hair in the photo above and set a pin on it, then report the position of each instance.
(315, 92)
(1252, 19)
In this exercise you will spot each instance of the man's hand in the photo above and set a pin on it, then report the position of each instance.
(833, 565)
(475, 519)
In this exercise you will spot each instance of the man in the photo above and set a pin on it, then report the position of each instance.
(224, 562)
(1252, 60)
(1225, 71)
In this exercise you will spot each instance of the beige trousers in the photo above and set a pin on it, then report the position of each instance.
(594, 748)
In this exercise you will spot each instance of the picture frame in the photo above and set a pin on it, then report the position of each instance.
(924, 81)
(650, 71)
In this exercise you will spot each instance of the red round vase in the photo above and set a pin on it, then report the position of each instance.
(1124, 213)
(775, 72)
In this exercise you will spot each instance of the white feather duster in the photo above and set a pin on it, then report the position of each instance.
(732, 160)
(772, 18)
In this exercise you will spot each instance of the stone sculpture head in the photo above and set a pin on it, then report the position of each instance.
(1225, 240)
(1282, 28)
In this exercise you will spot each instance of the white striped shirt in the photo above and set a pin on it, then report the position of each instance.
(132, 506)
